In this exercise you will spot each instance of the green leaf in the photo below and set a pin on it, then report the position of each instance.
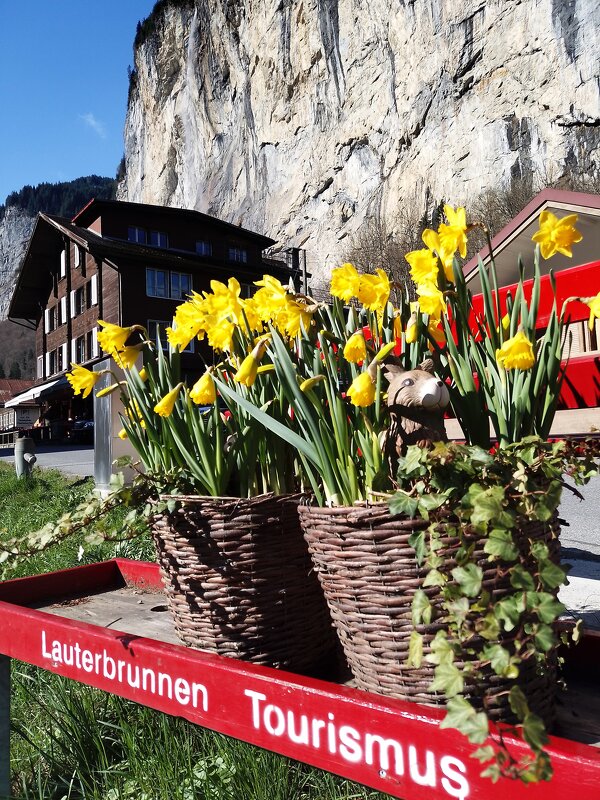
(500, 543)
(534, 731)
(440, 649)
(546, 606)
(521, 579)
(552, 575)
(403, 503)
(484, 754)
(498, 657)
(434, 578)
(469, 579)
(544, 637)
(488, 627)
(417, 541)
(415, 650)
(448, 679)
(488, 506)
(509, 610)
(421, 608)
(462, 716)
(518, 702)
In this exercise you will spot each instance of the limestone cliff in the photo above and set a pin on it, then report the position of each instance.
(299, 118)
(15, 229)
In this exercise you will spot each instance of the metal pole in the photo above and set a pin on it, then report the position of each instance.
(4, 726)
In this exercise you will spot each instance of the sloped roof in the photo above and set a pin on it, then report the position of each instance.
(9, 387)
(515, 240)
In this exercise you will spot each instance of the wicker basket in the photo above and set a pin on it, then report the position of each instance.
(369, 575)
(240, 582)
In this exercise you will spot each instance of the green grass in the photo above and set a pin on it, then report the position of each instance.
(72, 742)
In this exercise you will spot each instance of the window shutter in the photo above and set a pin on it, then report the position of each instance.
(94, 289)
(65, 365)
(47, 364)
(40, 366)
(47, 320)
(94, 342)
(63, 263)
(73, 351)
(72, 302)
(76, 256)
(63, 309)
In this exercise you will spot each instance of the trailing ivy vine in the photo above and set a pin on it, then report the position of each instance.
(478, 503)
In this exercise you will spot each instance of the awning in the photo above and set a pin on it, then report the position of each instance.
(37, 392)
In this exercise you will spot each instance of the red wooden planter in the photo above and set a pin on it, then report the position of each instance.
(390, 745)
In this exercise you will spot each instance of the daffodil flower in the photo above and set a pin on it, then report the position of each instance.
(594, 306)
(203, 392)
(127, 357)
(112, 337)
(355, 349)
(362, 390)
(431, 300)
(345, 281)
(374, 290)
(164, 407)
(556, 235)
(83, 380)
(516, 353)
(122, 434)
(423, 265)
(310, 383)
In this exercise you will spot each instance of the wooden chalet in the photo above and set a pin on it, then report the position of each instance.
(125, 263)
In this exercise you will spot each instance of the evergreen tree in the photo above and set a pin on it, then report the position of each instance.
(2, 373)
(15, 370)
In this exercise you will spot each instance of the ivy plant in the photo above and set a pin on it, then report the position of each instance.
(477, 503)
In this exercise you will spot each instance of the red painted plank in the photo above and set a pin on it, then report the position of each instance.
(392, 746)
(87, 578)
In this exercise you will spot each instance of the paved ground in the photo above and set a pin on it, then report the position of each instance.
(70, 459)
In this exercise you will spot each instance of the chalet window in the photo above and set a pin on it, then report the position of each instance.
(157, 282)
(238, 254)
(61, 357)
(63, 311)
(91, 343)
(204, 248)
(77, 259)
(80, 304)
(92, 292)
(181, 285)
(50, 319)
(63, 264)
(40, 367)
(159, 326)
(137, 235)
(159, 239)
(80, 350)
(52, 362)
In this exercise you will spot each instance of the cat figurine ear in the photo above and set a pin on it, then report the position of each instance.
(427, 365)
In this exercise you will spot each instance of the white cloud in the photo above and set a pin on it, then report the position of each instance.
(93, 123)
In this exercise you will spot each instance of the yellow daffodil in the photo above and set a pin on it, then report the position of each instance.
(516, 353)
(431, 300)
(127, 357)
(164, 407)
(362, 390)
(423, 265)
(453, 236)
(445, 251)
(220, 334)
(556, 235)
(270, 300)
(188, 322)
(248, 370)
(437, 334)
(113, 337)
(355, 350)
(143, 374)
(412, 328)
(109, 390)
(594, 306)
(310, 383)
(134, 413)
(374, 290)
(83, 380)
(203, 392)
(384, 352)
(345, 282)
(122, 434)
(265, 368)
(295, 317)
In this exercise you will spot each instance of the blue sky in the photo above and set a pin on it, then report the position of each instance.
(63, 87)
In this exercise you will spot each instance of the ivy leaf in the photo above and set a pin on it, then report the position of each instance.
(483, 754)
(458, 610)
(500, 543)
(534, 731)
(417, 541)
(539, 550)
(440, 650)
(434, 578)
(448, 679)
(421, 608)
(498, 657)
(544, 637)
(552, 575)
(430, 502)
(403, 503)
(549, 502)
(462, 716)
(469, 579)
(518, 702)
(488, 627)
(488, 506)
(411, 463)
(546, 606)
(415, 650)
(521, 579)
(509, 610)
(492, 772)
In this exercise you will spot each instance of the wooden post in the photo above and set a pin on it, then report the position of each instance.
(5, 726)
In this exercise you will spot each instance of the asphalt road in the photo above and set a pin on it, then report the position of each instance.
(70, 459)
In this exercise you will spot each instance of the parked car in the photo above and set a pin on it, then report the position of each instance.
(82, 431)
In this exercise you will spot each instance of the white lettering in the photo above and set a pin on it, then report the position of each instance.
(350, 748)
(134, 683)
(256, 697)
(182, 691)
(120, 667)
(56, 652)
(106, 661)
(331, 734)
(77, 653)
(68, 655)
(87, 661)
(148, 673)
(317, 726)
(278, 728)
(428, 779)
(163, 678)
(385, 745)
(298, 738)
(454, 770)
(45, 653)
(198, 687)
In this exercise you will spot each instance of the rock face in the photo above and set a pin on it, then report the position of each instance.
(301, 118)
(15, 230)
